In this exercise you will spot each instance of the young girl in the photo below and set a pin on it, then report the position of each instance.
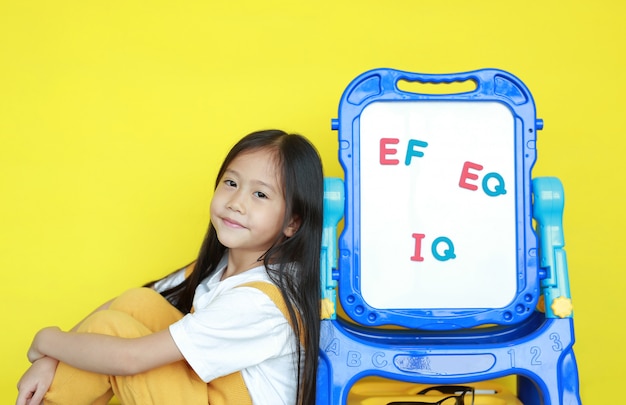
(238, 326)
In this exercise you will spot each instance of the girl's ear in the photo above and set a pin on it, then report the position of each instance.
(292, 227)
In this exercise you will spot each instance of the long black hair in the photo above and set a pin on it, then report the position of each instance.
(303, 186)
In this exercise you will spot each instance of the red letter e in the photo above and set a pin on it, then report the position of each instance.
(465, 174)
(384, 151)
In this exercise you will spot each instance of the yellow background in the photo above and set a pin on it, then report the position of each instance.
(114, 116)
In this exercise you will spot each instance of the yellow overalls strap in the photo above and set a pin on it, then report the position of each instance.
(189, 269)
(231, 389)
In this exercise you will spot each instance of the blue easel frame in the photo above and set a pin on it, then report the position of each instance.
(381, 85)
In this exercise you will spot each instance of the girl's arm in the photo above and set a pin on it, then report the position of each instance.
(37, 379)
(105, 354)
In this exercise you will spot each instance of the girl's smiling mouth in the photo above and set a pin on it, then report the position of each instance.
(232, 223)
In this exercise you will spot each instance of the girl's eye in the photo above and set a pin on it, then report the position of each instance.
(260, 194)
(230, 183)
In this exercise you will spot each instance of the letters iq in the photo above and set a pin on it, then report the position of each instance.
(492, 184)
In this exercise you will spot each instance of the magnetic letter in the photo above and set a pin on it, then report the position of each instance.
(410, 150)
(465, 174)
(498, 189)
(384, 151)
(417, 257)
(447, 253)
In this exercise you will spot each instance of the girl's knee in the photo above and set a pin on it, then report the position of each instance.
(148, 307)
(137, 297)
(113, 323)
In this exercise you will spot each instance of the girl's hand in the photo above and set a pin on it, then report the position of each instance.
(34, 353)
(36, 381)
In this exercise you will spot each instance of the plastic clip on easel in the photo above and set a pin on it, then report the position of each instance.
(333, 212)
(548, 212)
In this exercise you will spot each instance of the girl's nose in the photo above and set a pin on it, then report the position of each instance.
(236, 203)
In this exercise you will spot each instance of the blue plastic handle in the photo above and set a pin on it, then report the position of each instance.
(548, 207)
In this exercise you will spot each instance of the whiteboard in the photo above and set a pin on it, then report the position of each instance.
(437, 196)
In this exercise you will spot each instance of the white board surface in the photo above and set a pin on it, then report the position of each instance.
(437, 175)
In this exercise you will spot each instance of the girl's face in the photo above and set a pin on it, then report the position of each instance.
(248, 207)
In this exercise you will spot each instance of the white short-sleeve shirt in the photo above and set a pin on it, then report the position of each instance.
(238, 329)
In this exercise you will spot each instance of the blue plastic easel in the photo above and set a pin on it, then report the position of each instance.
(439, 270)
